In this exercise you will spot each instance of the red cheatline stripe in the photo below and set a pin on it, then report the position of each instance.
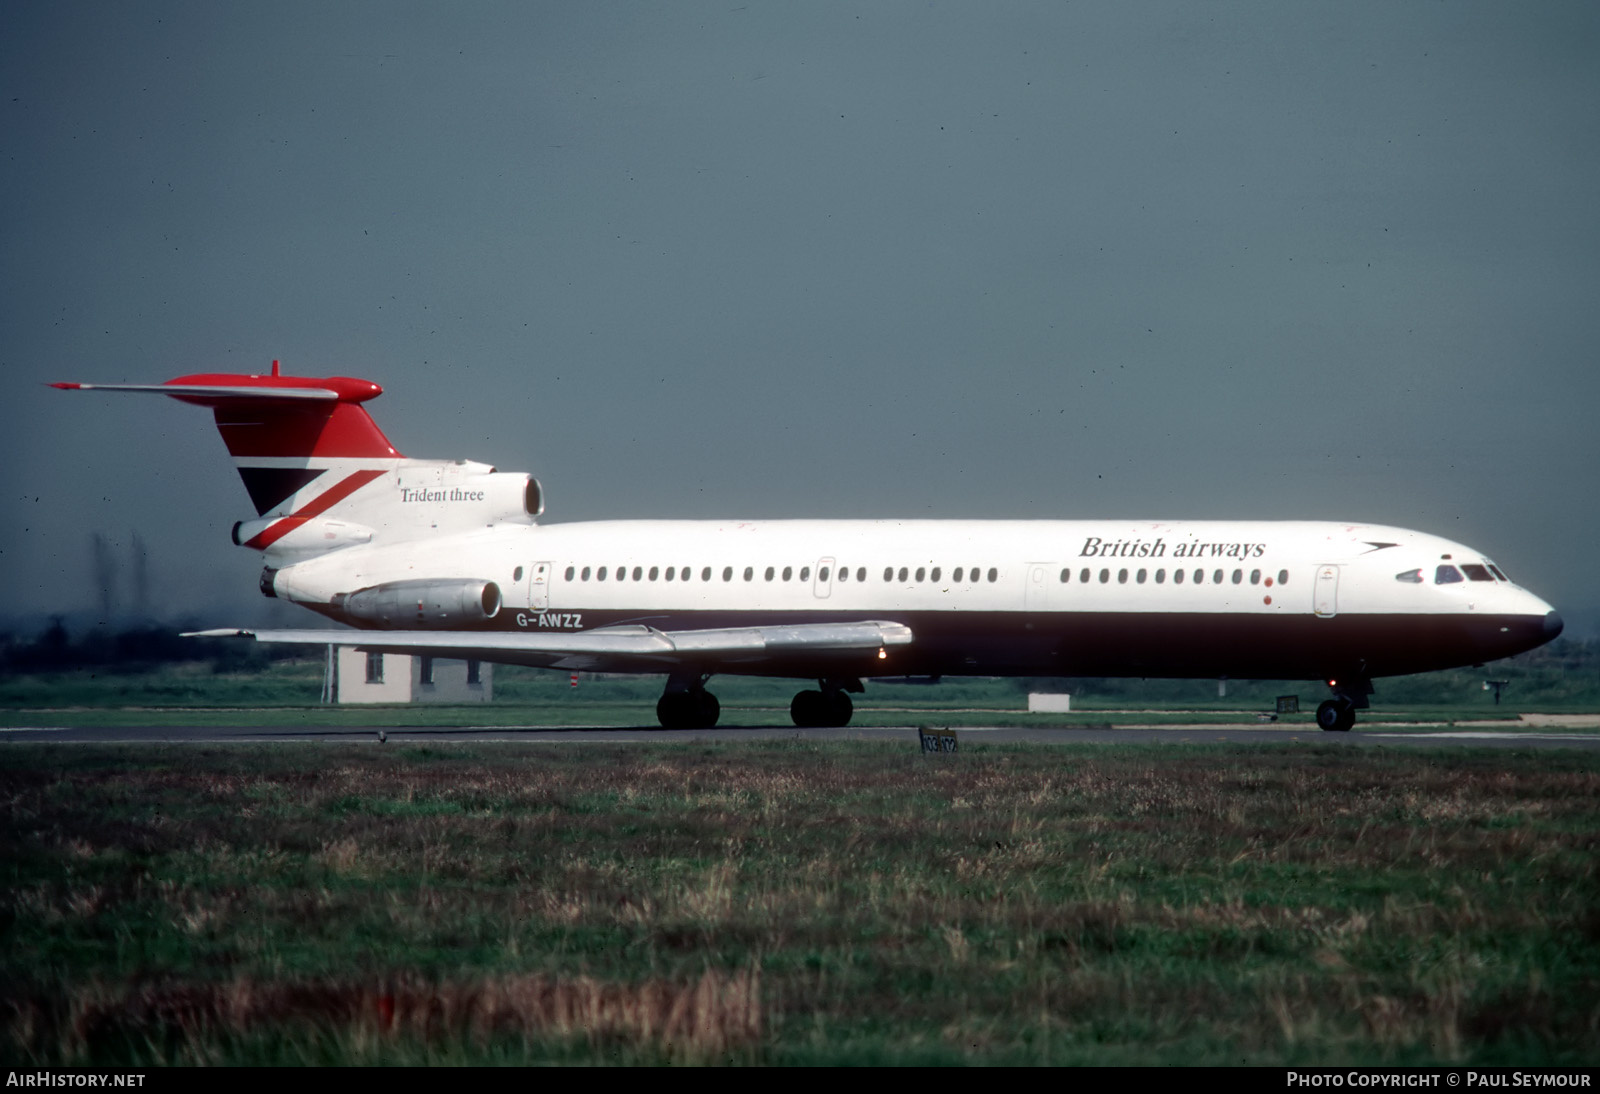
(324, 501)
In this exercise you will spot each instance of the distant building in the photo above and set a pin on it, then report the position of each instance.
(397, 678)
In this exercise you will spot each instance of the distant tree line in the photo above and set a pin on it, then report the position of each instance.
(131, 648)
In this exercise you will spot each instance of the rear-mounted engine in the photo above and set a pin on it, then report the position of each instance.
(422, 605)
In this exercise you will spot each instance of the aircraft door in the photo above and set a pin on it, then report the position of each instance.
(1327, 592)
(539, 587)
(822, 583)
(1036, 598)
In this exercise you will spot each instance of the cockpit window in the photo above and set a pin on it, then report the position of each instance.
(1476, 572)
(1446, 575)
(1410, 577)
(1498, 572)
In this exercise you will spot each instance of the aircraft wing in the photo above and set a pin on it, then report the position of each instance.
(611, 649)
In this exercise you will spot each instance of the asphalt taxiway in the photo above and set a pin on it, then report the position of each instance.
(1496, 735)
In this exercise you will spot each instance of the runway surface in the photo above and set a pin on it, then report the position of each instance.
(1504, 735)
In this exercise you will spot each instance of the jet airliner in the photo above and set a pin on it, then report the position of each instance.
(447, 558)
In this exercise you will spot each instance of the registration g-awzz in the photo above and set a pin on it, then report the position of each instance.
(447, 558)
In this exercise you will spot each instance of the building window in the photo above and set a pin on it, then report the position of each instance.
(474, 676)
(374, 668)
(425, 672)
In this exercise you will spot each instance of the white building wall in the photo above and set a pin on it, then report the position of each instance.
(403, 680)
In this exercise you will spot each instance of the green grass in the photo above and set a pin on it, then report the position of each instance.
(797, 902)
(288, 693)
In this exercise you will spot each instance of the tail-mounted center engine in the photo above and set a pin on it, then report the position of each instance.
(421, 605)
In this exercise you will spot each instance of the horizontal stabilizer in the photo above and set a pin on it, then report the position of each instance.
(213, 391)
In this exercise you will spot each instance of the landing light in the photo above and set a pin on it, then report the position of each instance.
(883, 654)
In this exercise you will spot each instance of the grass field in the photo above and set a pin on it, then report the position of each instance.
(287, 692)
(797, 902)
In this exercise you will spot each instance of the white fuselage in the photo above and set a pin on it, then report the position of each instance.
(1148, 598)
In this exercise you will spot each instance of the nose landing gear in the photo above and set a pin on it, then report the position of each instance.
(1338, 714)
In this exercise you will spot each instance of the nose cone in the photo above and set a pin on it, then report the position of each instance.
(1552, 625)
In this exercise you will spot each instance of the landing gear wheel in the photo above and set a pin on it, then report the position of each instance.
(815, 709)
(808, 709)
(1335, 716)
(696, 709)
(839, 709)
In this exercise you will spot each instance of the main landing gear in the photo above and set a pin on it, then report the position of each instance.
(828, 707)
(686, 704)
(1338, 714)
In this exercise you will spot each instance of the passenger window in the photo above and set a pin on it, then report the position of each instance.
(1255, 577)
(805, 573)
(888, 573)
(1083, 575)
(1283, 577)
(1177, 577)
(1446, 575)
(516, 575)
(1216, 577)
(1199, 577)
(638, 571)
(1122, 577)
(922, 572)
(1238, 576)
(844, 573)
(1140, 576)
(822, 575)
(1410, 577)
(1161, 577)
(957, 575)
(586, 573)
(749, 573)
(570, 571)
(788, 573)
(935, 574)
(1105, 576)
(1475, 572)
(769, 573)
(655, 572)
(861, 573)
(1066, 576)
(994, 574)
(601, 576)
(622, 573)
(671, 570)
(727, 573)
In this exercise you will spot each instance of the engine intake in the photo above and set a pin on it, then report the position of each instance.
(422, 604)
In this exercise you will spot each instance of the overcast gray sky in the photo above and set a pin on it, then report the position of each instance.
(1243, 260)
